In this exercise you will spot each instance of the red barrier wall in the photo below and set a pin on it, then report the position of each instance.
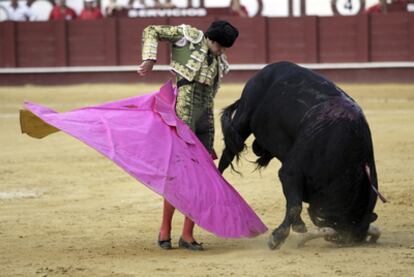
(343, 39)
(392, 39)
(129, 40)
(38, 40)
(251, 45)
(293, 39)
(362, 38)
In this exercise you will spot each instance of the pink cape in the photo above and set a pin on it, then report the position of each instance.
(144, 137)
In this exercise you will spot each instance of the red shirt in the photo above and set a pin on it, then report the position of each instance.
(94, 13)
(241, 12)
(374, 9)
(62, 13)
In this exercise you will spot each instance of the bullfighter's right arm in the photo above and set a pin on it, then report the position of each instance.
(155, 33)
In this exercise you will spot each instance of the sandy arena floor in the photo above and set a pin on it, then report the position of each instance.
(66, 210)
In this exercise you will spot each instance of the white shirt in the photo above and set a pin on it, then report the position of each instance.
(21, 13)
(146, 4)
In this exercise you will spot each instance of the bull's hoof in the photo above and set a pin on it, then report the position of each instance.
(273, 244)
(373, 239)
(277, 238)
(374, 234)
(299, 228)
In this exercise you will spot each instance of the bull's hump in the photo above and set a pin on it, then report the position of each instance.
(339, 108)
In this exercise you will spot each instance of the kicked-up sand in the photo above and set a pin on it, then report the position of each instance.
(65, 210)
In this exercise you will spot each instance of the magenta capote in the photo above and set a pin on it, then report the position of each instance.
(144, 136)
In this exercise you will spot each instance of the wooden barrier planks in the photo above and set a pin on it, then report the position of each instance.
(362, 38)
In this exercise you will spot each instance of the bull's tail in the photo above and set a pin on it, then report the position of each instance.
(360, 233)
(371, 175)
(374, 194)
(370, 185)
(234, 143)
(374, 183)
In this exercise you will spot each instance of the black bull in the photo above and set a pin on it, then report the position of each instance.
(323, 141)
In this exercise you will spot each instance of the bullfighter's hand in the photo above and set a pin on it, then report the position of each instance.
(145, 67)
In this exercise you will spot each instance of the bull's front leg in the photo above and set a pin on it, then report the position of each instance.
(292, 184)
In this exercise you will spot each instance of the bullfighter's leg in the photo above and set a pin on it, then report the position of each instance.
(292, 182)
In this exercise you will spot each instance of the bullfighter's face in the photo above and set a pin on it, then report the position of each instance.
(215, 48)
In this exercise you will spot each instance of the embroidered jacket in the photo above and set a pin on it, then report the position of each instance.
(188, 54)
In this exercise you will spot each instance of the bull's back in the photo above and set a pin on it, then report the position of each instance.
(286, 92)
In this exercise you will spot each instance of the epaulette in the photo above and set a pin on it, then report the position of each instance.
(224, 64)
(192, 34)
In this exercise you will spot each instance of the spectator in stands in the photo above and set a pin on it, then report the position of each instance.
(91, 11)
(137, 4)
(19, 11)
(62, 12)
(377, 8)
(383, 7)
(33, 15)
(115, 10)
(238, 9)
(167, 4)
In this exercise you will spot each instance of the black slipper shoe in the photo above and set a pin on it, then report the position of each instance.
(195, 246)
(164, 244)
